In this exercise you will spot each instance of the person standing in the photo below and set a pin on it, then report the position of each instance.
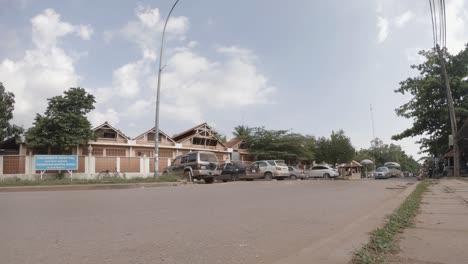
(423, 171)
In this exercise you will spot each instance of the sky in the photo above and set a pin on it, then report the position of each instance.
(307, 66)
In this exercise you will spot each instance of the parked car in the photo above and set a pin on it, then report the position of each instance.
(199, 165)
(267, 169)
(232, 171)
(296, 173)
(382, 173)
(322, 171)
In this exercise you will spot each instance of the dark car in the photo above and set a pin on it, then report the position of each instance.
(232, 171)
(199, 165)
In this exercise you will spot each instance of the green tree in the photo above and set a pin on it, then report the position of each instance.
(334, 150)
(280, 144)
(381, 153)
(7, 105)
(242, 132)
(64, 124)
(428, 105)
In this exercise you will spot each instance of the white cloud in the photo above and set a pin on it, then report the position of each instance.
(457, 21)
(146, 31)
(45, 70)
(48, 28)
(197, 85)
(404, 18)
(382, 25)
(192, 84)
(126, 79)
(110, 115)
(85, 31)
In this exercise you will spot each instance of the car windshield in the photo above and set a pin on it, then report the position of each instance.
(382, 169)
(208, 157)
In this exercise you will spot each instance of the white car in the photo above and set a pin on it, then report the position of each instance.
(322, 171)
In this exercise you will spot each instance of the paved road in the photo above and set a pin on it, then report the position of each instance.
(241, 222)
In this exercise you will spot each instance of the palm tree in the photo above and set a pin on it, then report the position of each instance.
(242, 131)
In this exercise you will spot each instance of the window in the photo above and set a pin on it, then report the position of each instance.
(192, 157)
(242, 146)
(211, 142)
(198, 141)
(318, 168)
(290, 168)
(262, 164)
(176, 161)
(272, 163)
(184, 159)
(109, 135)
(208, 157)
(143, 152)
(150, 137)
(115, 152)
(229, 166)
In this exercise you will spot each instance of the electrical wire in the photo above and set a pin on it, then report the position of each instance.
(434, 34)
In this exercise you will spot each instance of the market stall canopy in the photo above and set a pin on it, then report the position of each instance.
(352, 164)
(367, 162)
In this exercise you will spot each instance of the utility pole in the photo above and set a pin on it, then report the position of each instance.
(156, 121)
(453, 120)
(372, 120)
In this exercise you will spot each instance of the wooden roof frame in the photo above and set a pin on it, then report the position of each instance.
(160, 132)
(112, 128)
(205, 125)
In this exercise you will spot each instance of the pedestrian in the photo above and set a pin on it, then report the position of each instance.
(423, 171)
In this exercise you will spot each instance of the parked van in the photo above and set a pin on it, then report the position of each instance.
(199, 165)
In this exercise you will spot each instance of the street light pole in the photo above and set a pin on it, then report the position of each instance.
(156, 121)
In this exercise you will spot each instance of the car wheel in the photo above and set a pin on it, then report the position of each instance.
(209, 180)
(225, 180)
(326, 176)
(234, 177)
(293, 177)
(268, 176)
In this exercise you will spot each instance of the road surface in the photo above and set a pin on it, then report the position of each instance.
(240, 222)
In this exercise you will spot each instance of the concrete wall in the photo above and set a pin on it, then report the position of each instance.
(130, 167)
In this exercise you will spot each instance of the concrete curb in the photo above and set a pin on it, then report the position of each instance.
(340, 247)
(85, 187)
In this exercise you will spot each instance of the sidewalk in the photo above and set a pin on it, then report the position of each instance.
(440, 234)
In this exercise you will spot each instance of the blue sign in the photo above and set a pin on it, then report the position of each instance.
(56, 162)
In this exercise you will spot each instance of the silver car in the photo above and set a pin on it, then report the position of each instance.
(382, 173)
(322, 171)
(267, 169)
(296, 173)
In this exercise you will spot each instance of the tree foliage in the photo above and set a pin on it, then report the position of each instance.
(279, 144)
(428, 105)
(242, 132)
(334, 150)
(381, 153)
(64, 124)
(7, 105)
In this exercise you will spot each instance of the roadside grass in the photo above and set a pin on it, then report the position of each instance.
(383, 240)
(67, 181)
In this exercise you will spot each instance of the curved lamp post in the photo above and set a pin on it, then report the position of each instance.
(156, 121)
